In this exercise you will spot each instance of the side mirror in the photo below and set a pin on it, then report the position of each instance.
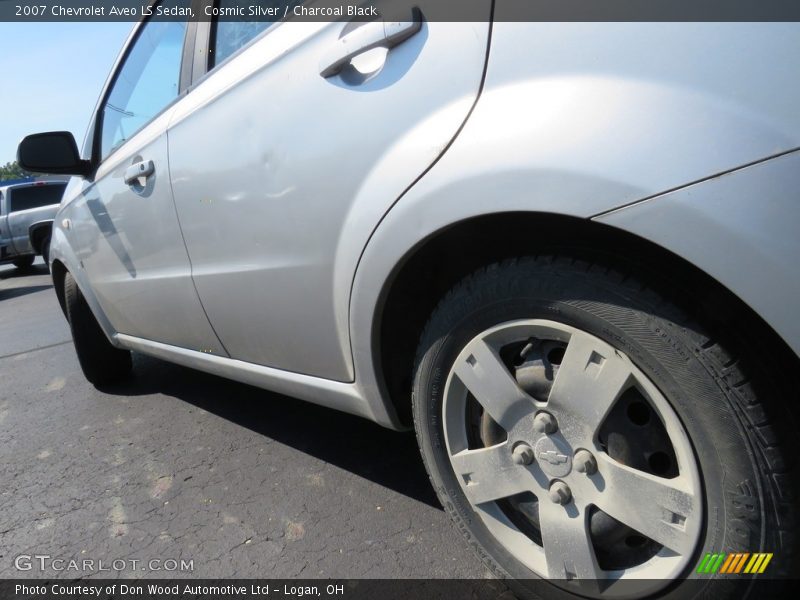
(54, 152)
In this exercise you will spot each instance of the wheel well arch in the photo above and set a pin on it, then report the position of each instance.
(37, 232)
(434, 266)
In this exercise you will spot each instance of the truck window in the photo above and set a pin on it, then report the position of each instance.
(34, 196)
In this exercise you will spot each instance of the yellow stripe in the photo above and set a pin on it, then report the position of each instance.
(753, 564)
(727, 562)
(741, 562)
(765, 563)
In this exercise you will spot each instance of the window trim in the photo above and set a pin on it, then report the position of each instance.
(206, 38)
(9, 195)
(183, 83)
(202, 52)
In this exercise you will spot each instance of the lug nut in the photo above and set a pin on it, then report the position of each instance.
(544, 422)
(560, 493)
(585, 462)
(522, 454)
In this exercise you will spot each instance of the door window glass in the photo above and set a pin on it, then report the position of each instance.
(231, 34)
(147, 82)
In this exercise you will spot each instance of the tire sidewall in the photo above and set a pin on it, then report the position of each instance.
(100, 361)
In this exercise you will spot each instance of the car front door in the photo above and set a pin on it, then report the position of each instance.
(129, 238)
(291, 139)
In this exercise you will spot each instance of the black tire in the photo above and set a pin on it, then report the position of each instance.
(739, 426)
(45, 250)
(100, 362)
(24, 262)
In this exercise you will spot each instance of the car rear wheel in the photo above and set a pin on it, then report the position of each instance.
(100, 361)
(580, 429)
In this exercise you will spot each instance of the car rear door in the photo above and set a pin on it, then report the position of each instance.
(284, 143)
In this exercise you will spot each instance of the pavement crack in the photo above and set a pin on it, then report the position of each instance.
(37, 349)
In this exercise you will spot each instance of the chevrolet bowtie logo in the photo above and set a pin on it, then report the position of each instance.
(553, 457)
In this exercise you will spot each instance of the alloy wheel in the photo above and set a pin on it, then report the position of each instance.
(572, 458)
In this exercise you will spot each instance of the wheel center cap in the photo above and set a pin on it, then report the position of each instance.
(553, 457)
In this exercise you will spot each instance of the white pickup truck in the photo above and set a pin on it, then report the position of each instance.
(26, 220)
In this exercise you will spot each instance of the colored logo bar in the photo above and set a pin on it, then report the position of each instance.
(734, 563)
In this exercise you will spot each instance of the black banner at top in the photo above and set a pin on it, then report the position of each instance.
(432, 10)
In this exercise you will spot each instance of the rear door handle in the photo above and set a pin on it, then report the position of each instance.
(376, 34)
(144, 168)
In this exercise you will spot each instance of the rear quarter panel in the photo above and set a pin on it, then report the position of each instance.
(581, 118)
(741, 229)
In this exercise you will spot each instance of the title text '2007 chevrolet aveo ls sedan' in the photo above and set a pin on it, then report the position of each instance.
(566, 254)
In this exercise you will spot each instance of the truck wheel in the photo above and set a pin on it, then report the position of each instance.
(24, 262)
(100, 362)
(588, 438)
(45, 250)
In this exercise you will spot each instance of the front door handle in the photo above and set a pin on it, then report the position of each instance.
(376, 34)
(138, 170)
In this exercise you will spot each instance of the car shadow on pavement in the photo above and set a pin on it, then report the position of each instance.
(7, 294)
(386, 457)
(13, 272)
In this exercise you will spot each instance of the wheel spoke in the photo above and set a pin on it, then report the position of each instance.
(489, 474)
(664, 510)
(567, 543)
(483, 373)
(589, 380)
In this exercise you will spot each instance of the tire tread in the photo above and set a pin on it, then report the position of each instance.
(769, 446)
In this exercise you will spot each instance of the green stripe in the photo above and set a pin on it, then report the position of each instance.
(711, 562)
(701, 568)
(716, 567)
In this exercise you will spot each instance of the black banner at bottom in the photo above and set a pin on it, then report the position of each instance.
(378, 589)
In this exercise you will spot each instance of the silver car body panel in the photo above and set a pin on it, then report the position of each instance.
(346, 397)
(63, 249)
(309, 155)
(742, 228)
(580, 135)
(130, 246)
(574, 119)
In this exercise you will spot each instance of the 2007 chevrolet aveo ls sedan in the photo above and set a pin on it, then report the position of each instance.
(566, 254)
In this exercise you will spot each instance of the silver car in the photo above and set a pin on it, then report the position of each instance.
(566, 254)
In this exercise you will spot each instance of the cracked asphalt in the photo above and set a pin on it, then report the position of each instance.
(176, 464)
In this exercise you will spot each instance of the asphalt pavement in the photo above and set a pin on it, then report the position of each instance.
(176, 473)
